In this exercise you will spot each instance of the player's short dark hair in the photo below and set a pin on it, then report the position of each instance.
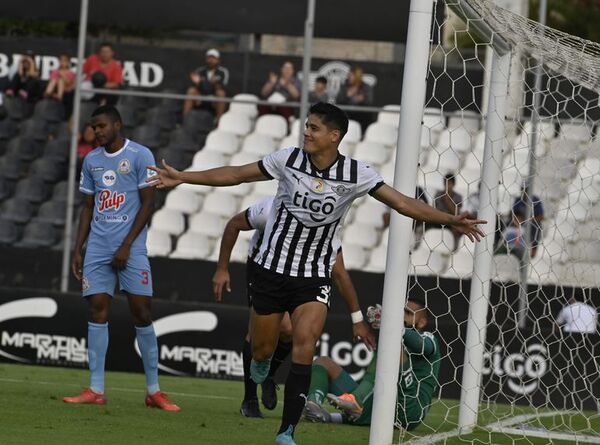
(332, 116)
(109, 110)
(105, 44)
(321, 79)
(450, 177)
(416, 300)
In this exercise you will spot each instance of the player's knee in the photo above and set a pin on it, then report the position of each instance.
(286, 333)
(98, 314)
(142, 318)
(261, 351)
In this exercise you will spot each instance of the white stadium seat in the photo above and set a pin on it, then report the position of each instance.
(469, 120)
(289, 141)
(506, 268)
(381, 133)
(205, 159)
(192, 246)
(354, 133)
(167, 220)
(377, 260)
(370, 213)
(249, 109)
(184, 201)
(266, 188)
(272, 125)
(243, 158)
(371, 153)
(259, 144)
(456, 139)
(158, 243)
(222, 142)
(252, 199)
(360, 235)
(207, 224)
(391, 116)
(355, 256)
(220, 203)
(239, 124)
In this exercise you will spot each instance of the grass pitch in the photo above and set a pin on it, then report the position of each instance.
(32, 412)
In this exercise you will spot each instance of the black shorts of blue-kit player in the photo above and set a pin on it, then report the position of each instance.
(271, 292)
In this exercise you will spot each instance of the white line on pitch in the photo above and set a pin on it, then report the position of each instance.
(112, 388)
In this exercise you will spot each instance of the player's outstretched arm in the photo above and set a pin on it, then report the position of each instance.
(343, 282)
(221, 279)
(417, 343)
(416, 209)
(168, 176)
(85, 219)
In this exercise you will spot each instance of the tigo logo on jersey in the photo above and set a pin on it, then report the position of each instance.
(326, 206)
(110, 200)
(109, 178)
(124, 166)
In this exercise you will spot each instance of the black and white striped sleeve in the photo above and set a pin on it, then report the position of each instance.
(273, 165)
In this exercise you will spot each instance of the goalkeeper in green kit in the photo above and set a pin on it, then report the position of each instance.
(417, 382)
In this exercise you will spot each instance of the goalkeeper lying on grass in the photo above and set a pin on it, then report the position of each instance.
(420, 366)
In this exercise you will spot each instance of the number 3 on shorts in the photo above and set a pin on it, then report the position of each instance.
(325, 294)
(145, 278)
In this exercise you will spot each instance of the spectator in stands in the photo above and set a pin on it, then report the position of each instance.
(319, 92)
(284, 87)
(208, 80)
(354, 91)
(104, 72)
(520, 205)
(26, 81)
(61, 86)
(513, 236)
(449, 201)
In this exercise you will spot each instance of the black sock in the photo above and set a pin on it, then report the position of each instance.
(296, 391)
(249, 385)
(281, 352)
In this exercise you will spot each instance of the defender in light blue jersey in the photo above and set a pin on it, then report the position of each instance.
(115, 215)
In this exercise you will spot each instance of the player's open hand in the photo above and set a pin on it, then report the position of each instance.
(468, 227)
(76, 265)
(165, 177)
(221, 280)
(119, 261)
(362, 332)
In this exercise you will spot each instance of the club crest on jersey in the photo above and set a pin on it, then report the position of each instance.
(124, 166)
(317, 185)
(110, 200)
(109, 178)
(341, 190)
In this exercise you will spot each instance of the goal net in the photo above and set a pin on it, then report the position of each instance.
(540, 380)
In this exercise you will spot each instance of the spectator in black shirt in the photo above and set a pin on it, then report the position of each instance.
(319, 92)
(208, 80)
(26, 81)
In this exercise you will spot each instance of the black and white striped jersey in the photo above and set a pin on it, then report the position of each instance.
(256, 217)
(302, 234)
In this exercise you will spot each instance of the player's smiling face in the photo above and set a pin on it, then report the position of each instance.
(318, 137)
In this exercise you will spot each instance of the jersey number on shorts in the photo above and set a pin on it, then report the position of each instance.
(325, 294)
(145, 278)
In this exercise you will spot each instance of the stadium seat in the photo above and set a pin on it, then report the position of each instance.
(442, 160)
(221, 141)
(61, 190)
(182, 140)
(370, 213)
(198, 121)
(456, 139)
(158, 243)
(424, 261)
(244, 157)
(49, 110)
(295, 128)
(9, 232)
(266, 188)
(252, 199)
(206, 159)
(16, 108)
(148, 135)
(354, 134)
(371, 153)
(175, 158)
(220, 203)
(289, 141)
(381, 133)
(361, 235)
(506, 268)
(8, 129)
(17, 210)
(239, 254)
(201, 189)
(130, 116)
(184, 201)
(38, 234)
(57, 150)
(259, 144)
(192, 245)
(6, 188)
(239, 190)
(167, 220)
(467, 119)
(355, 257)
(48, 170)
(208, 224)
(249, 109)
(387, 172)
(85, 113)
(272, 125)
(438, 239)
(434, 119)
(237, 123)
(52, 212)
(32, 189)
(390, 115)
(161, 117)
(576, 131)
(377, 260)
(24, 148)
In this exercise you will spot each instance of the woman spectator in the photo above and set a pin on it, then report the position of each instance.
(62, 83)
(356, 92)
(284, 87)
(26, 81)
